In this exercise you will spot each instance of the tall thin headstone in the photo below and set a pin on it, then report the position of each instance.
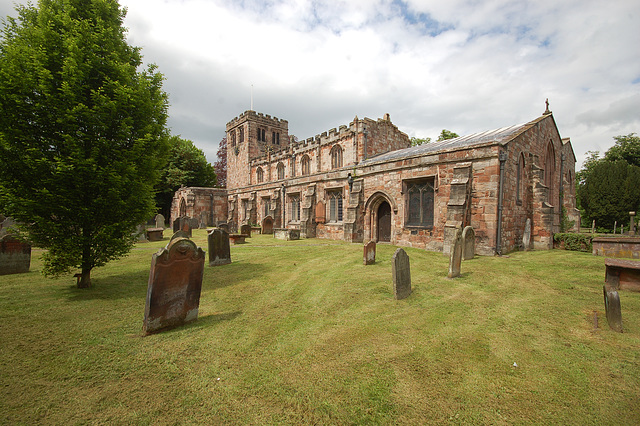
(401, 271)
(175, 283)
(369, 255)
(612, 308)
(468, 243)
(219, 247)
(615, 226)
(632, 223)
(593, 227)
(456, 255)
(526, 235)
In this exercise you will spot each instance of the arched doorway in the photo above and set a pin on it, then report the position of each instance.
(384, 222)
(183, 208)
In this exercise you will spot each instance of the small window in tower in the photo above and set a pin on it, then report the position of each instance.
(273, 137)
(264, 137)
(336, 157)
(232, 138)
(306, 163)
(241, 136)
(277, 138)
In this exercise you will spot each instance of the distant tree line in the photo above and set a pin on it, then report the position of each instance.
(444, 135)
(608, 188)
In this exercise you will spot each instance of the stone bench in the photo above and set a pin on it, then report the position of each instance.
(237, 238)
(286, 234)
(622, 274)
(155, 234)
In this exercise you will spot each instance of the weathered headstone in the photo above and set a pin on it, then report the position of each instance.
(593, 227)
(526, 235)
(267, 225)
(615, 226)
(468, 243)
(224, 225)
(456, 255)
(612, 308)
(179, 234)
(194, 223)
(175, 283)
(219, 247)
(370, 253)
(632, 223)
(401, 271)
(141, 233)
(159, 221)
(155, 234)
(15, 255)
(246, 230)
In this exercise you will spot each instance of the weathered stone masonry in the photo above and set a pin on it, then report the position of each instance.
(363, 181)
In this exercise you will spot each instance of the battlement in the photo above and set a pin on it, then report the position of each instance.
(257, 116)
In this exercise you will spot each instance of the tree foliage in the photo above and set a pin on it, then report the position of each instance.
(82, 131)
(626, 148)
(187, 165)
(446, 134)
(419, 141)
(220, 165)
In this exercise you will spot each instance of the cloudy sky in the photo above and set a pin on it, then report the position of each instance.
(463, 65)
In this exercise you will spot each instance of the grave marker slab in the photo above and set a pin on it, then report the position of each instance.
(612, 308)
(401, 271)
(15, 255)
(267, 225)
(456, 255)
(369, 253)
(219, 247)
(468, 243)
(175, 283)
(526, 235)
(246, 230)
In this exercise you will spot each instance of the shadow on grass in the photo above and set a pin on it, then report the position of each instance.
(124, 286)
(233, 273)
(202, 321)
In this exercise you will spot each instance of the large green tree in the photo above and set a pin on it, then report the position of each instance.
(626, 148)
(186, 165)
(82, 131)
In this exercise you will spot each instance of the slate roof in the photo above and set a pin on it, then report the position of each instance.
(502, 136)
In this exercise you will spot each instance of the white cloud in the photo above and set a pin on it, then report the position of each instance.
(464, 65)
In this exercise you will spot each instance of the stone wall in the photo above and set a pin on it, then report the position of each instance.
(208, 205)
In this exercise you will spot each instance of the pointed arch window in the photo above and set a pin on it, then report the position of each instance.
(306, 165)
(336, 157)
(549, 171)
(280, 171)
(420, 202)
(335, 206)
(294, 201)
(260, 175)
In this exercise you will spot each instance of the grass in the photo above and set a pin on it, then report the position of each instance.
(300, 332)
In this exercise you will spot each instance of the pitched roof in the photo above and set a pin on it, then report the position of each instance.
(501, 136)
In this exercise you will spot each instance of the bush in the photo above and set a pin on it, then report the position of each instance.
(573, 241)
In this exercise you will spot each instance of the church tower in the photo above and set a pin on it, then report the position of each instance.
(249, 136)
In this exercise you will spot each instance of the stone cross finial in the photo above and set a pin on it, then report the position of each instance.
(546, 111)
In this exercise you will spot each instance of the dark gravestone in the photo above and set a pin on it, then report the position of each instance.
(267, 225)
(246, 230)
(369, 255)
(468, 243)
(219, 247)
(456, 256)
(15, 255)
(175, 282)
(155, 234)
(194, 224)
(223, 225)
(179, 234)
(401, 272)
(182, 224)
(612, 308)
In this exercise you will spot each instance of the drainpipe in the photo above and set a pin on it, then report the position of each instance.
(503, 160)
(561, 195)
(284, 216)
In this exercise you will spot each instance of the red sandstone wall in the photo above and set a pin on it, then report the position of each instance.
(199, 203)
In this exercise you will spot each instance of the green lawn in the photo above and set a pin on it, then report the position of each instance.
(300, 332)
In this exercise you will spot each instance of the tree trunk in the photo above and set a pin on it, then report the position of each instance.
(85, 279)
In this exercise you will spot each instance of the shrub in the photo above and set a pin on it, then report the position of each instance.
(573, 241)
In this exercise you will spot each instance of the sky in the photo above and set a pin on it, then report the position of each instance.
(463, 65)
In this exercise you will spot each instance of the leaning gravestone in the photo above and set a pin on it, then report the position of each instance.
(612, 308)
(219, 248)
(15, 255)
(456, 256)
(526, 235)
(401, 272)
(246, 230)
(468, 243)
(159, 221)
(175, 282)
(370, 253)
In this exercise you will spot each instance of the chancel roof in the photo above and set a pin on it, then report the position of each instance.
(501, 136)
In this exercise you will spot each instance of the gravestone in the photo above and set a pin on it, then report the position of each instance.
(526, 235)
(456, 255)
(632, 223)
(612, 308)
(219, 247)
(15, 255)
(401, 271)
(267, 225)
(179, 234)
(194, 223)
(159, 221)
(175, 283)
(141, 233)
(246, 230)
(224, 225)
(370, 253)
(155, 234)
(468, 243)
(183, 223)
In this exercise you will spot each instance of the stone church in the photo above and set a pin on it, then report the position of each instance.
(364, 181)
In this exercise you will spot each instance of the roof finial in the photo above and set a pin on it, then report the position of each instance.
(546, 111)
